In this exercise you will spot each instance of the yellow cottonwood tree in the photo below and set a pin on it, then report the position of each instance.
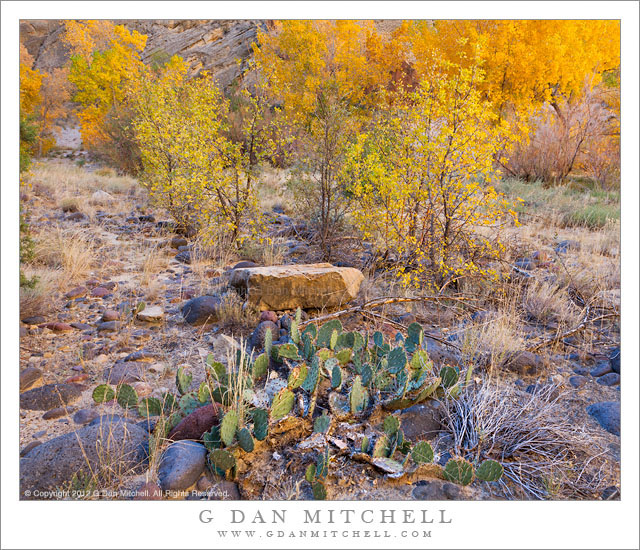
(422, 175)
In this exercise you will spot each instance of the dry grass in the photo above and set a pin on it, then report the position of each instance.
(272, 191)
(543, 453)
(545, 301)
(38, 300)
(265, 252)
(71, 251)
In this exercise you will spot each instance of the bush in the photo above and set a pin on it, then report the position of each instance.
(421, 173)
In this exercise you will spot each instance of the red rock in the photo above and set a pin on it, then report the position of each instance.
(92, 283)
(110, 315)
(56, 326)
(269, 316)
(77, 379)
(100, 292)
(149, 491)
(197, 423)
(77, 292)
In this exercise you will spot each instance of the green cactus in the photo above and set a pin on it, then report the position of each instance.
(169, 403)
(322, 464)
(211, 439)
(313, 373)
(228, 427)
(126, 396)
(346, 340)
(326, 331)
(103, 393)
(285, 351)
(458, 471)
(150, 406)
(391, 425)
(321, 424)
(312, 330)
(344, 356)
(449, 376)
(336, 377)
(183, 381)
(358, 397)
(381, 447)
(334, 340)
(378, 339)
(260, 424)
(204, 395)
(308, 349)
(389, 466)
(245, 440)
(489, 470)
(396, 359)
(364, 446)
(268, 342)
(294, 332)
(422, 452)
(367, 375)
(310, 473)
(260, 366)
(298, 316)
(297, 376)
(282, 404)
(319, 490)
(222, 459)
(188, 403)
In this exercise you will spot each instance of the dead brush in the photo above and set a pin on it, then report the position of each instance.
(544, 302)
(70, 250)
(543, 453)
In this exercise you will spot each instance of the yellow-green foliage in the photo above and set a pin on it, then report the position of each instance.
(422, 175)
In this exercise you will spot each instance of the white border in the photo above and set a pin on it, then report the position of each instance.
(172, 525)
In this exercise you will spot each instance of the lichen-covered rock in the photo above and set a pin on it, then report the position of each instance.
(117, 447)
(291, 286)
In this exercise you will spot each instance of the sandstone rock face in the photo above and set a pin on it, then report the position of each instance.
(291, 286)
(205, 45)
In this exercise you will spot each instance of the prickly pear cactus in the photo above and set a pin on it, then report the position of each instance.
(381, 447)
(212, 439)
(319, 490)
(285, 351)
(222, 459)
(103, 393)
(358, 397)
(313, 373)
(126, 396)
(489, 470)
(260, 366)
(396, 360)
(391, 425)
(422, 452)
(245, 440)
(297, 376)
(150, 406)
(282, 404)
(260, 424)
(336, 377)
(321, 424)
(326, 332)
(183, 381)
(228, 427)
(449, 376)
(459, 471)
(310, 473)
(268, 342)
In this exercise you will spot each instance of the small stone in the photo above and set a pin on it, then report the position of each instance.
(50, 396)
(57, 327)
(151, 314)
(101, 196)
(81, 326)
(100, 292)
(577, 381)
(525, 263)
(184, 257)
(77, 292)
(30, 378)
(77, 379)
(109, 326)
(614, 360)
(34, 320)
(30, 446)
(181, 465)
(601, 369)
(269, 316)
(84, 416)
(610, 379)
(148, 491)
(110, 315)
(110, 285)
(525, 363)
(147, 218)
(607, 413)
(76, 217)
(57, 413)
(41, 433)
(564, 246)
(177, 242)
(201, 310)
(140, 355)
(244, 264)
(580, 370)
(92, 283)
(437, 490)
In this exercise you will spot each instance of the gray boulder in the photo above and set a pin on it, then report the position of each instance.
(201, 310)
(181, 465)
(607, 413)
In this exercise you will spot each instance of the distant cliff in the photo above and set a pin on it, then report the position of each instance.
(212, 45)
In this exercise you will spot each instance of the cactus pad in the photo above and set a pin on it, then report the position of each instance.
(211, 439)
(260, 424)
(358, 397)
(310, 473)
(126, 396)
(449, 376)
(336, 377)
(422, 452)
(459, 471)
(297, 376)
(260, 366)
(321, 424)
(397, 359)
(319, 491)
(245, 440)
(391, 425)
(489, 470)
(326, 331)
(103, 393)
(282, 404)
(150, 406)
(228, 427)
(223, 460)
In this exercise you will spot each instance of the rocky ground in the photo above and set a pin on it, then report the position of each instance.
(84, 329)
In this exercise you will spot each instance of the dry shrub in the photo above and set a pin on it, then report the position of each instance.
(233, 312)
(563, 138)
(544, 302)
(543, 452)
(71, 251)
(38, 300)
